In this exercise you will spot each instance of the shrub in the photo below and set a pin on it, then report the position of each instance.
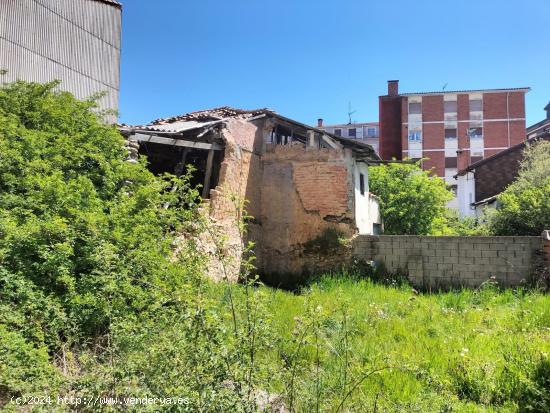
(524, 207)
(411, 201)
(85, 238)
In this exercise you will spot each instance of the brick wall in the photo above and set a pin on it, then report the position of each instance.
(493, 177)
(390, 127)
(304, 192)
(453, 261)
(503, 126)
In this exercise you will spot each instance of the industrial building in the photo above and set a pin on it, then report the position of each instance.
(74, 41)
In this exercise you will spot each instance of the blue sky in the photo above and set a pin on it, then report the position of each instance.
(308, 59)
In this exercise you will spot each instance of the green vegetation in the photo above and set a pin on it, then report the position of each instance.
(330, 240)
(465, 351)
(102, 296)
(411, 201)
(525, 204)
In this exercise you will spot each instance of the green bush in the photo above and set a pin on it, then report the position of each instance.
(524, 205)
(84, 235)
(411, 201)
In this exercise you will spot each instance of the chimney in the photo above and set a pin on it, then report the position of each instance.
(320, 122)
(393, 87)
(547, 109)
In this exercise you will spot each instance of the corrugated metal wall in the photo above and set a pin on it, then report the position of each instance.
(75, 41)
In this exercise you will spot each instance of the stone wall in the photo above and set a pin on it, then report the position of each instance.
(433, 262)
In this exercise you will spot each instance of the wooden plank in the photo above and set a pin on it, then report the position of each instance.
(180, 166)
(141, 137)
(208, 175)
(331, 142)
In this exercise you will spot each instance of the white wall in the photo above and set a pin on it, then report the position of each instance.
(375, 217)
(367, 211)
(466, 194)
(361, 201)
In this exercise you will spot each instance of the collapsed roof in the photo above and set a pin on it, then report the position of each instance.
(205, 120)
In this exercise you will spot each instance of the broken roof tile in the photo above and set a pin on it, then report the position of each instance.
(222, 112)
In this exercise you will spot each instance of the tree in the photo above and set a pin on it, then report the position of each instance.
(412, 201)
(525, 204)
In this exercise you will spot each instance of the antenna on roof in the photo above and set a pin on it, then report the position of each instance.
(350, 112)
(445, 86)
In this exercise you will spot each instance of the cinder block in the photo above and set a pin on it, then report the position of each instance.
(505, 253)
(465, 260)
(497, 247)
(480, 260)
(437, 259)
(476, 253)
(488, 253)
(450, 260)
(428, 266)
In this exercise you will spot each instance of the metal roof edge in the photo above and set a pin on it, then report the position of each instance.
(444, 92)
(111, 3)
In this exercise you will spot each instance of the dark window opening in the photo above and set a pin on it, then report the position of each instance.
(449, 106)
(376, 229)
(476, 105)
(338, 132)
(450, 134)
(176, 159)
(453, 189)
(415, 108)
(282, 135)
(362, 184)
(450, 162)
(352, 132)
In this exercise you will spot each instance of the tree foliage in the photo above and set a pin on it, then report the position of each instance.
(524, 206)
(85, 237)
(412, 201)
(102, 287)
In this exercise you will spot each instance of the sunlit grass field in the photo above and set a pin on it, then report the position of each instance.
(351, 345)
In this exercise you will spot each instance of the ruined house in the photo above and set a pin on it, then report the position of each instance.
(300, 182)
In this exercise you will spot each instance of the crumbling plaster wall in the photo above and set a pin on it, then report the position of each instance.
(294, 193)
(240, 179)
(304, 192)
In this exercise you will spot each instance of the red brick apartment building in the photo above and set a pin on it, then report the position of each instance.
(451, 129)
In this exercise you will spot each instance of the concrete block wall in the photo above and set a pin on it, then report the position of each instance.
(433, 262)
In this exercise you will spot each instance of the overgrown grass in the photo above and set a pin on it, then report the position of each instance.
(462, 351)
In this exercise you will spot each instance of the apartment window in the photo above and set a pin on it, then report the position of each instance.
(475, 133)
(352, 132)
(371, 132)
(450, 134)
(476, 105)
(450, 162)
(338, 132)
(362, 184)
(450, 106)
(415, 108)
(415, 136)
